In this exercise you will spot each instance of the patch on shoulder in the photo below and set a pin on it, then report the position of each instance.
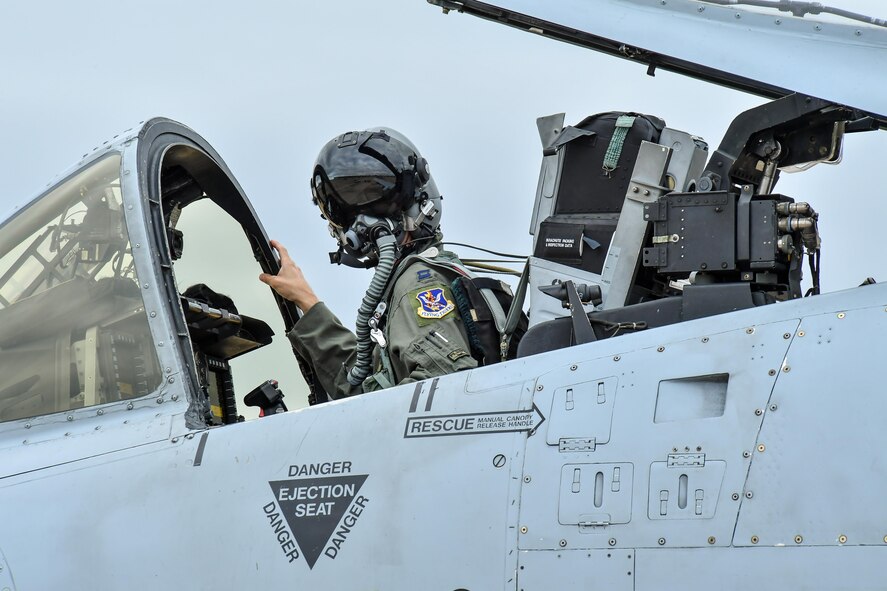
(423, 274)
(433, 303)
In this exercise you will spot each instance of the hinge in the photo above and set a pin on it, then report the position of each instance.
(679, 460)
(576, 444)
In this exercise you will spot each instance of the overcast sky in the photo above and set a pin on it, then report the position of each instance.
(268, 83)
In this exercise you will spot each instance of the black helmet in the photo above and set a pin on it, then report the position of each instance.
(361, 177)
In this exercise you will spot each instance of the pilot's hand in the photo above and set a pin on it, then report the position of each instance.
(290, 283)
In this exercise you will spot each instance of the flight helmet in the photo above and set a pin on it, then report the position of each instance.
(370, 183)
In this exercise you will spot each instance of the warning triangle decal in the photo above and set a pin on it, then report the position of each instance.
(313, 508)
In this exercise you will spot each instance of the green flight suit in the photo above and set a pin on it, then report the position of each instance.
(424, 335)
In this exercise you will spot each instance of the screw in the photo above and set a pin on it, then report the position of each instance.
(749, 494)
(660, 349)
(662, 541)
(159, 400)
(146, 286)
(27, 425)
(563, 543)
(674, 450)
(818, 27)
(698, 448)
(635, 190)
(787, 368)
(100, 412)
(758, 412)
(773, 407)
(704, 339)
(617, 358)
(801, 333)
(738, 16)
(858, 33)
(523, 529)
(841, 315)
(129, 406)
(787, 336)
(170, 380)
(70, 417)
(712, 539)
(539, 388)
(527, 479)
(574, 367)
(174, 397)
(749, 331)
(700, 9)
(762, 447)
(612, 541)
(799, 539)
(772, 372)
(499, 460)
(735, 496)
(175, 439)
(778, 21)
(842, 539)
(746, 454)
(754, 539)
(153, 314)
(189, 436)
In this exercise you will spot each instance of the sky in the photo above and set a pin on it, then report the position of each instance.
(268, 83)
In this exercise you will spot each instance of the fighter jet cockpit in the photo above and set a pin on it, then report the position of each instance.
(136, 284)
(73, 327)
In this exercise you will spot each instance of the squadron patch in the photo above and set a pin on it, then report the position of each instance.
(433, 304)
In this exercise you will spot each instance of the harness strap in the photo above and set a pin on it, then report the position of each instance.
(614, 150)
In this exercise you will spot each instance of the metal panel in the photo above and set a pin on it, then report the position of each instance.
(577, 570)
(818, 466)
(749, 356)
(583, 410)
(761, 569)
(595, 494)
(685, 489)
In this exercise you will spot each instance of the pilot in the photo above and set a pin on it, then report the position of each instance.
(384, 210)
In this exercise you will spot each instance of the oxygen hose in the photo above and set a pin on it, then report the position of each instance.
(387, 255)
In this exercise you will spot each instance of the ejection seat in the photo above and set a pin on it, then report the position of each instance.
(588, 223)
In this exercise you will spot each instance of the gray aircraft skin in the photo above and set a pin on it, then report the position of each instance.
(733, 443)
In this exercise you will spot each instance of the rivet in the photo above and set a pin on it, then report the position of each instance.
(138, 245)
(674, 450)
(787, 368)
(527, 479)
(712, 539)
(27, 425)
(159, 400)
(146, 286)
(749, 494)
(70, 417)
(735, 496)
(563, 543)
(168, 370)
(574, 367)
(700, 9)
(818, 27)
(799, 539)
(25, 442)
(772, 372)
(801, 333)
(174, 397)
(754, 539)
(100, 412)
(738, 16)
(171, 380)
(523, 529)
(778, 21)
(746, 454)
(841, 315)
(646, 192)
(762, 447)
(175, 439)
(787, 336)
(617, 358)
(660, 349)
(885, 537)
(189, 436)
(698, 448)
(160, 344)
(635, 190)
(68, 434)
(662, 541)
(704, 339)
(153, 314)
(129, 406)
(842, 539)
(858, 33)
(612, 541)
(773, 407)
(749, 331)
(758, 412)
(539, 387)
(97, 427)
